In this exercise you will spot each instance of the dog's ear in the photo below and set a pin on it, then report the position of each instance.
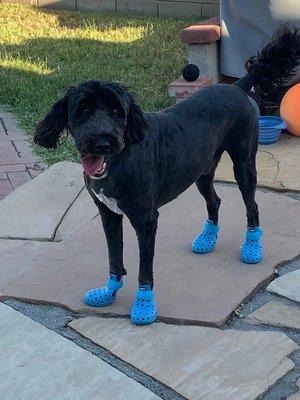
(48, 131)
(136, 123)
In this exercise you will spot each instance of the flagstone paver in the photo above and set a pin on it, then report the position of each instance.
(189, 287)
(35, 209)
(36, 363)
(276, 313)
(80, 213)
(15, 255)
(197, 362)
(296, 396)
(278, 164)
(287, 285)
(17, 159)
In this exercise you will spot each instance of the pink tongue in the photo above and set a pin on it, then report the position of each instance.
(92, 164)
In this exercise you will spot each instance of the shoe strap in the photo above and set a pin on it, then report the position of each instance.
(254, 233)
(210, 227)
(113, 283)
(144, 292)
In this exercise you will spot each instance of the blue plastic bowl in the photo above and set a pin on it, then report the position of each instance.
(270, 129)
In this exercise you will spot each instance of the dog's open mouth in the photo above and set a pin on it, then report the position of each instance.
(94, 166)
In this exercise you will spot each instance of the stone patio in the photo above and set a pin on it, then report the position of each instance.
(216, 283)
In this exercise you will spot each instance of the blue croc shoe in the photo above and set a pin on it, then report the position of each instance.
(206, 241)
(252, 250)
(144, 309)
(104, 296)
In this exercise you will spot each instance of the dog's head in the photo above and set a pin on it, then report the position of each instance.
(102, 118)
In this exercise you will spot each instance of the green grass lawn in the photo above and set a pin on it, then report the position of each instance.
(44, 52)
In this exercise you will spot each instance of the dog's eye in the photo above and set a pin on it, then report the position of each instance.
(115, 112)
(86, 111)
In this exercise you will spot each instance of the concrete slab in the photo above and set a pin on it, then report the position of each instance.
(36, 363)
(197, 362)
(287, 285)
(193, 287)
(277, 165)
(275, 313)
(35, 209)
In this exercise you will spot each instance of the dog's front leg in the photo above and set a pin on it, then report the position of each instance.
(144, 309)
(145, 227)
(113, 229)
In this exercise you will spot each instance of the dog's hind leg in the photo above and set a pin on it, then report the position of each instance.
(206, 241)
(112, 224)
(206, 188)
(244, 167)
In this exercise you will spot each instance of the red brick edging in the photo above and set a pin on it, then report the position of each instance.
(18, 163)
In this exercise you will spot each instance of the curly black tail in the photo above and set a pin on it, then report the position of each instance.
(275, 64)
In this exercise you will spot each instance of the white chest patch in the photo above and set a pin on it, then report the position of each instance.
(110, 202)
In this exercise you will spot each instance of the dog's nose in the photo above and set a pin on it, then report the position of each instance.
(103, 147)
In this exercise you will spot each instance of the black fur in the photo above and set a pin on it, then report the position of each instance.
(153, 157)
(136, 123)
(50, 129)
(275, 65)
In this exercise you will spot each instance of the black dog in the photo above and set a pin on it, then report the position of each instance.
(135, 162)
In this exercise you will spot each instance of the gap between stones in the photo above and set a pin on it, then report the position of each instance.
(15, 148)
(3, 126)
(63, 216)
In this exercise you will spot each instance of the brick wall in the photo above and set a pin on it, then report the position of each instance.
(163, 8)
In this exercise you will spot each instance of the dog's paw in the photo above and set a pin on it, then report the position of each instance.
(144, 310)
(104, 296)
(206, 241)
(252, 249)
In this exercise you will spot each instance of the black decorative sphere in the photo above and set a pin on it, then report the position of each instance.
(190, 72)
